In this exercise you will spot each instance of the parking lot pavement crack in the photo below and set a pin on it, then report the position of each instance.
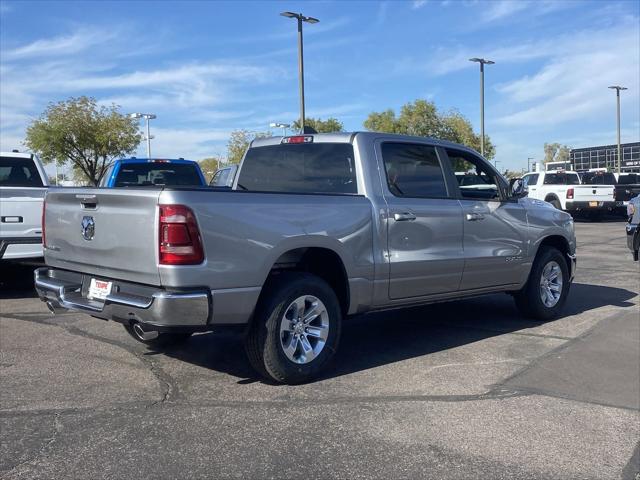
(44, 451)
(168, 386)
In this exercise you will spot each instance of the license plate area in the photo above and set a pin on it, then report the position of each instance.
(99, 289)
(594, 204)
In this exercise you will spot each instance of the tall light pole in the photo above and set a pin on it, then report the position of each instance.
(617, 88)
(301, 18)
(283, 126)
(147, 117)
(482, 63)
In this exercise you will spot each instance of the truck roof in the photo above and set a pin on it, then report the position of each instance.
(149, 160)
(347, 137)
(16, 154)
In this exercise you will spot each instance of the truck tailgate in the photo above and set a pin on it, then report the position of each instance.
(601, 193)
(21, 211)
(123, 244)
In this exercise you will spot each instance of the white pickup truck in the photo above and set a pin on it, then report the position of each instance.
(23, 185)
(563, 189)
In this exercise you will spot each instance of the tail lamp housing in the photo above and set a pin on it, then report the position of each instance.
(570, 193)
(179, 240)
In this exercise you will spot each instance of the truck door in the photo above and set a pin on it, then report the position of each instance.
(424, 236)
(494, 227)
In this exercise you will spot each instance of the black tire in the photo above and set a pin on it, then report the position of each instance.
(556, 204)
(529, 301)
(263, 342)
(164, 339)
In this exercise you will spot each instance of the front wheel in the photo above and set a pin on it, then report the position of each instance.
(296, 330)
(546, 291)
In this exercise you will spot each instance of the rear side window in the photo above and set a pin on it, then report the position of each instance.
(19, 172)
(300, 168)
(157, 173)
(629, 179)
(561, 179)
(413, 170)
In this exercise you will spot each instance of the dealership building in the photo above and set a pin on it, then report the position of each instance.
(606, 156)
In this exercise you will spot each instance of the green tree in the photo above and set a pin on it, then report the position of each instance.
(210, 165)
(238, 143)
(88, 136)
(321, 126)
(554, 152)
(421, 118)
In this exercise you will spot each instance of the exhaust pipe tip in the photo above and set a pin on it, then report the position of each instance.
(51, 308)
(143, 334)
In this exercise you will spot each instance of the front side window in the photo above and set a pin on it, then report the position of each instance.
(476, 180)
(529, 180)
(300, 168)
(413, 170)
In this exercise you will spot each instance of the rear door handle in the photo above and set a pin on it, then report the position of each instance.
(404, 217)
(473, 217)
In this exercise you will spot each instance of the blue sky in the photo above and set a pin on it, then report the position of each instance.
(206, 68)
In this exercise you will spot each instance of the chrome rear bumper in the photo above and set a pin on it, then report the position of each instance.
(63, 290)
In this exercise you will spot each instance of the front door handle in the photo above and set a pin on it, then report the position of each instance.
(473, 217)
(404, 217)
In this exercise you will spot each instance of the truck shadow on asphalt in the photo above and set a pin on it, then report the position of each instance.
(374, 340)
(16, 280)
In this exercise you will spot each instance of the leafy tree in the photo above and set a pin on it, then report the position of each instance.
(554, 152)
(422, 118)
(321, 126)
(239, 142)
(88, 136)
(210, 165)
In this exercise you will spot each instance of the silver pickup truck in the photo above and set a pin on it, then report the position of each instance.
(316, 228)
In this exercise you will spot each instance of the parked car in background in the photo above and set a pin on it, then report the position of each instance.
(633, 226)
(224, 176)
(316, 228)
(627, 187)
(137, 172)
(564, 190)
(23, 184)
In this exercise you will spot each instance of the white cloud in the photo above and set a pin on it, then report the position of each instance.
(498, 10)
(80, 40)
(416, 4)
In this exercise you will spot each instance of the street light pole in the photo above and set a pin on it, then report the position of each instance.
(482, 63)
(147, 117)
(300, 18)
(617, 88)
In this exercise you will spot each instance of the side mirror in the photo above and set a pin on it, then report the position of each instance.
(518, 190)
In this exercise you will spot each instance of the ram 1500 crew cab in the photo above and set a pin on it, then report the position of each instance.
(23, 184)
(316, 228)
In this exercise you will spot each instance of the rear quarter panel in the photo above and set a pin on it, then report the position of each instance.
(245, 233)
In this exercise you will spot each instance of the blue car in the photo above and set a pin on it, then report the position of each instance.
(136, 172)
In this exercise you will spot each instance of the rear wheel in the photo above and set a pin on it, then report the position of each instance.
(556, 203)
(156, 339)
(545, 293)
(296, 330)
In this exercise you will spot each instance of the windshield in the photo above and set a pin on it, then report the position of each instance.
(598, 178)
(299, 168)
(19, 172)
(561, 179)
(157, 173)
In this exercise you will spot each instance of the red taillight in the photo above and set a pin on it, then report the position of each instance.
(570, 193)
(179, 237)
(44, 237)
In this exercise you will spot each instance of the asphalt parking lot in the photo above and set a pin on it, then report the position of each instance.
(459, 390)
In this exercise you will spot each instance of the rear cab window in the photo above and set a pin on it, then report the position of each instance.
(599, 178)
(19, 172)
(629, 178)
(561, 178)
(157, 173)
(327, 168)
